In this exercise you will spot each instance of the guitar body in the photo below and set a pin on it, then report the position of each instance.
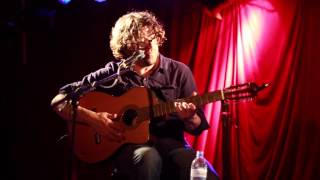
(91, 147)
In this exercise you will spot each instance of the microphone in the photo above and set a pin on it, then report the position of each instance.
(137, 55)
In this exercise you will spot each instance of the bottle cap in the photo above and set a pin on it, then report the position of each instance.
(199, 153)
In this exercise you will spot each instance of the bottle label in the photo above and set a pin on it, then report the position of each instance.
(198, 173)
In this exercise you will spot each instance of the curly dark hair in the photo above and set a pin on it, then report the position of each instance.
(132, 30)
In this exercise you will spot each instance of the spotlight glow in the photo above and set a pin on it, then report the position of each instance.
(100, 1)
(65, 2)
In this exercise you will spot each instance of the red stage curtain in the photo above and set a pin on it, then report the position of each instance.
(276, 136)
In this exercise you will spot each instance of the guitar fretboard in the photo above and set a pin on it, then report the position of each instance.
(168, 107)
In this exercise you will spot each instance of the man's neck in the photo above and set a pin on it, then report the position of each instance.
(147, 70)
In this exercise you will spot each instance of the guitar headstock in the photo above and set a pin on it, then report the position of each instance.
(243, 91)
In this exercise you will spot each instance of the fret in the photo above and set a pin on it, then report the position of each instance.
(213, 96)
(204, 99)
(201, 101)
(159, 112)
(198, 100)
(166, 108)
(209, 97)
(155, 110)
(193, 100)
(162, 111)
(190, 99)
(171, 107)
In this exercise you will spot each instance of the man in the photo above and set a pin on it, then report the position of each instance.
(166, 155)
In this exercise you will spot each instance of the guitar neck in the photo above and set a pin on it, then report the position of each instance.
(198, 100)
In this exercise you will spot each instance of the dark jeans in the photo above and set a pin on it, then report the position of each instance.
(141, 162)
(144, 162)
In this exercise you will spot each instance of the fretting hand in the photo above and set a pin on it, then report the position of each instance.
(184, 109)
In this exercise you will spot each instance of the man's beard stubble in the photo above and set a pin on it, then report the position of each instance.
(144, 62)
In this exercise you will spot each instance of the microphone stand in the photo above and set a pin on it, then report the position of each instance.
(226, 124)
(74, 105)
(250, 91)
(74, 97)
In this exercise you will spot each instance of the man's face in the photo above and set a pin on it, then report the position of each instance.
(151, 53)
(150, 46)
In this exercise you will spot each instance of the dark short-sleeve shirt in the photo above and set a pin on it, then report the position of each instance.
(171, 80)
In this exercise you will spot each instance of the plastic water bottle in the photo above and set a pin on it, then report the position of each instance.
(199, 167)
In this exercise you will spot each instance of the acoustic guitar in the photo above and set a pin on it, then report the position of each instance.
(135, 109)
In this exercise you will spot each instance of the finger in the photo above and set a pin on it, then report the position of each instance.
(180, 107)
(185, 105)
(177, 105)
(112, 124)
(111, 116)
(194, 93)
(192, 106)
(114, 135)
(117, 126)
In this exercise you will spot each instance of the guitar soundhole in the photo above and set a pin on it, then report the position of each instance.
(129, 116)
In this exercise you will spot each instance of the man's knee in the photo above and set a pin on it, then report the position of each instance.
(149, 163)
(148, 156)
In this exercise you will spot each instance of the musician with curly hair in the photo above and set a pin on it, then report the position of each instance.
(135, 40)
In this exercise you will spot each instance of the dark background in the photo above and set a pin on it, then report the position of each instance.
(45, 45)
